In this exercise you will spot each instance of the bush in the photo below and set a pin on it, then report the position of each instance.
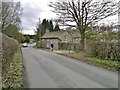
(63, 46)
(15, 74)
(69, 46)
(13, 32)
(38, 44)
(9, 48)
(103, 50)
(77, 47)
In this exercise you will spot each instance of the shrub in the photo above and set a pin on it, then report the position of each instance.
(103, 50)
(38, 44)
(15, 74)
(63, 46)
(69, 46)
(9, 48)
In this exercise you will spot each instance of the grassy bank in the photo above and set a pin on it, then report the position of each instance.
(107, 64)
(15, 74)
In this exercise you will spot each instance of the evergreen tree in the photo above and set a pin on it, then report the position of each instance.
(47, 24)
(50, 26)
(41, 29)
(27, 39)
(57, 28)
(44, 23)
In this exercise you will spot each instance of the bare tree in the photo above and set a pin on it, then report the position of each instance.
(83, 13)
(11, 13)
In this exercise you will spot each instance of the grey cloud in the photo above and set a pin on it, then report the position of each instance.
(30, 15)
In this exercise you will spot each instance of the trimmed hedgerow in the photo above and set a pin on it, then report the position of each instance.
(9, 48)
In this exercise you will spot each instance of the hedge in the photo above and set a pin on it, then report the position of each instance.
(9, 48)
(69, 46)
(103, 50)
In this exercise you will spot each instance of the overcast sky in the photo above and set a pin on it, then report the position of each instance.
(35, 9)
(32, 11)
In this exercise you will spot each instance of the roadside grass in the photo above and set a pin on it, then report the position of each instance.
(15, 73)
(107, 64)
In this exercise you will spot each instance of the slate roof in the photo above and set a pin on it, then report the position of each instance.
(74, 33)
(56, 34)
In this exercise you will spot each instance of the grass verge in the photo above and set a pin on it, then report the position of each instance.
(107, 64)
(15, 73)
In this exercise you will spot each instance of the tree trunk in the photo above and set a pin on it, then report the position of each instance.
(82, 34)
(82, 41)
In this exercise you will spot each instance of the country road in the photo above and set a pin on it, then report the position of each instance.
(49, 70)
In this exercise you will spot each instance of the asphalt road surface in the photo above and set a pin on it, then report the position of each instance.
(49, 70)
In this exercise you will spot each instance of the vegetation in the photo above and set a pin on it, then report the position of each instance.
(46, 24)
(14, 78)
(11, 13)
(12, 63)
(57, 28)
(50, 26)
(83, 13)
(9, 47)
(41, 27)
(37, 44)
(13, 32)
(103, 50)
(107, 64)
(11, 37)
(113, 65)
(27, 39)
(101, 33)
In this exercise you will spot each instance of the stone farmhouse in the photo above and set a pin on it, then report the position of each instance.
(56, 37)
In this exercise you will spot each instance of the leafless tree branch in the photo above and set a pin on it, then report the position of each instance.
(11, 13)
(83, 12)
